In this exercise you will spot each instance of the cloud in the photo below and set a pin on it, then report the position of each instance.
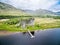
(56, 8)
(32, 4)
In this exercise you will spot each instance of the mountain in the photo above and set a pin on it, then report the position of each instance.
(40, 12)
(6, 9)
(58, 13)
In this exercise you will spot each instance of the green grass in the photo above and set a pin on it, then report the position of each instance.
(10, 25)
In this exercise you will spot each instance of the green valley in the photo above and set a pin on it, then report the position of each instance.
(10, 16)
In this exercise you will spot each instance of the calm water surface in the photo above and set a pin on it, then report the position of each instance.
(48, 37)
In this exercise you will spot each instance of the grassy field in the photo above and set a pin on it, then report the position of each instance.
(40, 23)
(48, 22)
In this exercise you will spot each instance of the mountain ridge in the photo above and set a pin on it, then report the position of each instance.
(41, 12)
(6, 9)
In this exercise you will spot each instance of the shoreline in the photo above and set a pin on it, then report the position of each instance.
(4, 33)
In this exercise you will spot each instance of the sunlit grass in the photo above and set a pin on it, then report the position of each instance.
(40, 23)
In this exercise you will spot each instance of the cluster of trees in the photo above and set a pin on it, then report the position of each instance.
(49, 16)
(55, 17)
(8, 16)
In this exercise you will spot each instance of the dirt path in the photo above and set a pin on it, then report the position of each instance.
(2, 33)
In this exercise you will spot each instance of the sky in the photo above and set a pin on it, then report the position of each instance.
(53, 5)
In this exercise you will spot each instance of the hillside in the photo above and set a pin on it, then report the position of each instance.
(40, 12)
(58, 13)
(6, 9)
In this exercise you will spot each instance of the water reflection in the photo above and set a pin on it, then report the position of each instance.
(32, 32)
(24, 32)
(49, 37)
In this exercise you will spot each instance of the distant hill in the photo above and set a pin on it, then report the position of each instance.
(40, 12)
(6, 9)
(58, 13)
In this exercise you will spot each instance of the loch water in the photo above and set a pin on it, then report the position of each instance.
(42, 37)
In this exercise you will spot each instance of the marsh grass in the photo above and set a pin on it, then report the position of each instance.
(40, 23)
